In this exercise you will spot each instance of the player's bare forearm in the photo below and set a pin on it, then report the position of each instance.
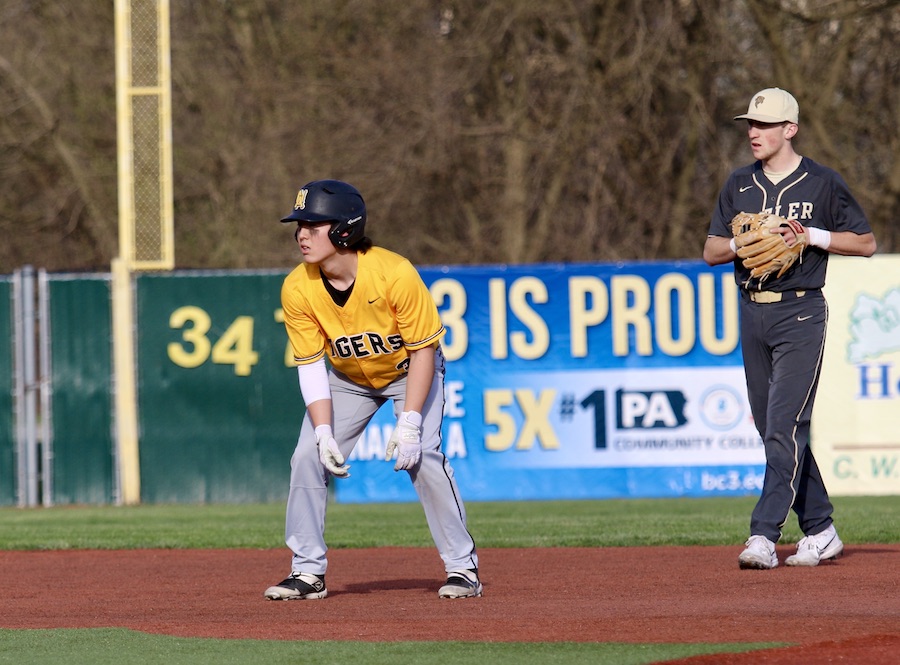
(419, 378)
(717, 250)
(320, 412)
(848, 243)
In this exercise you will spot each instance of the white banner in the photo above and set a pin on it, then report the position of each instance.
(855, 426)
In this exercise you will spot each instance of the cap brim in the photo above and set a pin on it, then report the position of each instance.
(770, 119)
(305, 216)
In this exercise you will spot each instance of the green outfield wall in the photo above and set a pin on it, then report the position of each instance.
(7, 420)
(219, 404)
(218, 407)
(81, 376)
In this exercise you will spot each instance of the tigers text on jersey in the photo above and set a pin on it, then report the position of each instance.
(814, 195)
(390, 311)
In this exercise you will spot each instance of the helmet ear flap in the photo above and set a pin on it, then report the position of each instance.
(346, 232)
(338, 236)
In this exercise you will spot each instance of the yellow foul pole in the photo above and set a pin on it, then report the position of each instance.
(146, 228)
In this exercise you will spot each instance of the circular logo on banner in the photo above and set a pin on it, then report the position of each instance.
(721, 407)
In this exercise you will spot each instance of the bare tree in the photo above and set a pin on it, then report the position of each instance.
(57, 197)
(479, 132)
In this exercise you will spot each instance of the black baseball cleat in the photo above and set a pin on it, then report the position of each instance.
(299, 586)
(462, 584)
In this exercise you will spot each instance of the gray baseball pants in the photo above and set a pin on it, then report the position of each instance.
(433, 480)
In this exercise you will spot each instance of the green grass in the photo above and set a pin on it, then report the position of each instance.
(634, 522)
(612, 523)
(117, 646)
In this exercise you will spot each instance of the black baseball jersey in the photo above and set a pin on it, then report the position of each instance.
(814, 195)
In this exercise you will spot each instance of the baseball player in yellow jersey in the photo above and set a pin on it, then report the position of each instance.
(367, 310)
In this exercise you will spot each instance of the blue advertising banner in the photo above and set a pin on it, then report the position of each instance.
(578, 381)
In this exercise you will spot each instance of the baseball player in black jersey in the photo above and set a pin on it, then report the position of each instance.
(783, 320)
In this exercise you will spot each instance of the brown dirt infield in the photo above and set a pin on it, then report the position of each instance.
(843, 611)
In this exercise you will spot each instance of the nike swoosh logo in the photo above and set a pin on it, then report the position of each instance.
(371, 301)
(744, 189)
(804, 318)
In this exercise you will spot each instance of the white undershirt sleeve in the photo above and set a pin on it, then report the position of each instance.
(314, 381)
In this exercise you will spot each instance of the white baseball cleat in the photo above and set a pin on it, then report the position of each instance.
(760, 554)
(813, 549)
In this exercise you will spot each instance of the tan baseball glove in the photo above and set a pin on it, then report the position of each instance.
(764, 251)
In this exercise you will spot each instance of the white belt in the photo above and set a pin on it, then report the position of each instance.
(774, 296)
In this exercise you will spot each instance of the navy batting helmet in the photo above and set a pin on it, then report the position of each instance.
(332, 201)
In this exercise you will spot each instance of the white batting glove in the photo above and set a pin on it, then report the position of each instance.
(329, 453)
(406, 441)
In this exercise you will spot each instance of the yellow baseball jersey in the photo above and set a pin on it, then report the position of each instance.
(390, 311)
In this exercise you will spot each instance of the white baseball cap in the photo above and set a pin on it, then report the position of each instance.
(772, 105)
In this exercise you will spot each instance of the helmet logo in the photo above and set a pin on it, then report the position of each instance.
(354, 220)
(300, 203)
